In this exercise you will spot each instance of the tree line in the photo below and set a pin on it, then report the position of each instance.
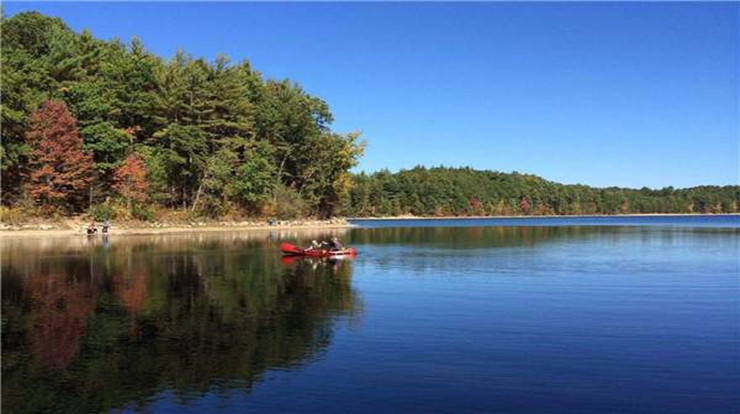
(444, 191)
(89, 123)
(107, 127)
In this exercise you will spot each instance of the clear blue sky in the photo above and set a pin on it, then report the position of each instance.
(626, 94)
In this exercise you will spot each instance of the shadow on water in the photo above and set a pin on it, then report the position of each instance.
(94, 325)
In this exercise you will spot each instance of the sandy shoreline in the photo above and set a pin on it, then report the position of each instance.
(174, 229)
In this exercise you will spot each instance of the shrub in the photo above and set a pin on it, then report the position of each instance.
(101, 212)
(287, 204)
(142, 212)
(213, 207)
(11, 215)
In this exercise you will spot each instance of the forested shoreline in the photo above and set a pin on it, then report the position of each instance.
(108, 129)
(445, 191)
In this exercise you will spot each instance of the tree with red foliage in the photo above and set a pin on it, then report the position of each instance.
(524, 205)
(61, 171)
(130, 180)
(476, 206)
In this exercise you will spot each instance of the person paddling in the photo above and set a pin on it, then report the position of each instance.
(334, 244)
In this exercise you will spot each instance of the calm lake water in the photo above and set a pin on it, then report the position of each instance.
(641, 315)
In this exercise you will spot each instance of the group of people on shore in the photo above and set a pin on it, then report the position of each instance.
(92, 229)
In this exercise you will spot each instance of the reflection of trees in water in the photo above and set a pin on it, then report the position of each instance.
(121, 324)
(132, 290)
(497, 249)
(60, 306)
(498, 236)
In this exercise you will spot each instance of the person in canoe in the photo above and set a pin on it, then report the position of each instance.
(331, 248)
(334, 244)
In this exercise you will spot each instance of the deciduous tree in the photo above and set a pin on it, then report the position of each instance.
(130, 180)
(61, 171)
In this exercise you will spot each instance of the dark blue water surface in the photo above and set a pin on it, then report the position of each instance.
(462, 316)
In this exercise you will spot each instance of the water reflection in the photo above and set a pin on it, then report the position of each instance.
(492, 318)
(93, 325)
(505, 250)
(520, 236)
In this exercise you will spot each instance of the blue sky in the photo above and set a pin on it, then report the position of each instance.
(625, 94)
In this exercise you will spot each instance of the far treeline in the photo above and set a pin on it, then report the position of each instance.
(466, 192)
(110, 129)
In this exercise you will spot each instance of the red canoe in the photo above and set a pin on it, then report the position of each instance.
(290, 249)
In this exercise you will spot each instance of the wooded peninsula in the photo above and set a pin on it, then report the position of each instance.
(108, 129)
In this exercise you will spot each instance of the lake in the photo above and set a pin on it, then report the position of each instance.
(533, 315)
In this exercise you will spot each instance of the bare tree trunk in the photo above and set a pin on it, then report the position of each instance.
(280, 176)
(200, 188)
(197, 196)
(128, 199)
(282, 163)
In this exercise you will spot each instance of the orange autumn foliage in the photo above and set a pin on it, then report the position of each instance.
(130, 179)
(62, 304)
(132, 290)
(60, 170)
